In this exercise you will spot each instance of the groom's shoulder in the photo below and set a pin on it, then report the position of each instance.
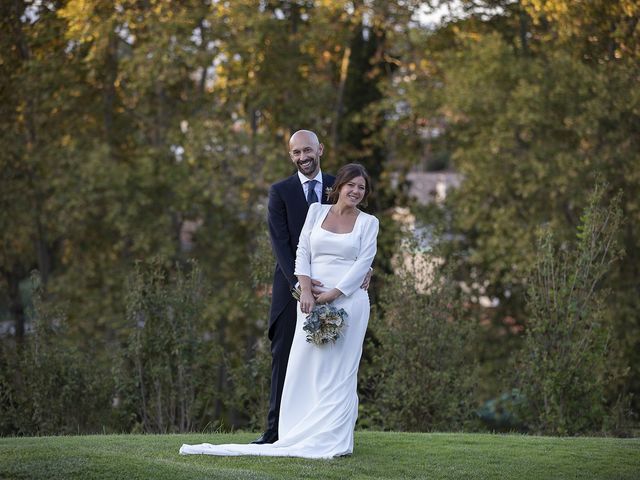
(285, 182)
(327, 178)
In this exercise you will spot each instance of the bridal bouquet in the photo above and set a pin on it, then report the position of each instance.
(324, 324)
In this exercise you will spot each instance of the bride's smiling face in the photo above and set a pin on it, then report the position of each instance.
(353, 191)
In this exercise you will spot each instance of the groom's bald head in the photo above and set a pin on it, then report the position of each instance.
(305, 151)
(307, 135)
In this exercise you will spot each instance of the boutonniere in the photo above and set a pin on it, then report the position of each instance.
(327, 191)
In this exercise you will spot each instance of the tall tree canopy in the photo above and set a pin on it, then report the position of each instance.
(132, 130)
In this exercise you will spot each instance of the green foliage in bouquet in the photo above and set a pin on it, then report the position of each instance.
(325, 322)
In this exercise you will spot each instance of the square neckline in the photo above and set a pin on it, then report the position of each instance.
(324, 217)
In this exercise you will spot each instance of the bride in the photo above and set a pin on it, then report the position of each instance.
(319, 404)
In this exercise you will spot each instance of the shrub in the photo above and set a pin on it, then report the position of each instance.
(166, 374)
(422, 374)
(250, 380)
(250, 370)
(563, 367)
(47, 385)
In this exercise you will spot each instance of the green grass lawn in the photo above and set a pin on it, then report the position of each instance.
(376, 455)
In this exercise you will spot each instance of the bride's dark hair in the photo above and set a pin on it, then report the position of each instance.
(346, 174)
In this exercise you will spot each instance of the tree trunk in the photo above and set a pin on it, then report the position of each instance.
(344, 69)
(109, 90)
(524, 29)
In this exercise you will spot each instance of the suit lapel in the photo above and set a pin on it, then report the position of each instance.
(295, 187)
(327, 182)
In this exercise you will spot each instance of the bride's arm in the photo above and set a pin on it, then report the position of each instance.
(352, 280)
(303, 260)
(303, 252)
(307, 301)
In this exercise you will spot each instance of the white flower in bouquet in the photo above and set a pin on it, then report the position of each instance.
(324, 324)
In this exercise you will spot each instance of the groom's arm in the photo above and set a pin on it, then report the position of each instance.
(279, 234)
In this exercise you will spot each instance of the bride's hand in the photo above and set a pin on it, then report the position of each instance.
(307, 302)
(328, 296)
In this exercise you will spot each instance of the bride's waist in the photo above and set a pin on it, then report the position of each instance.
(359, 293)
(329, 277)
(327, 283)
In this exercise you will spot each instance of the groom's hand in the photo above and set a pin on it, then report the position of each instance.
(315, 287)
(367, 279)
(329, 296)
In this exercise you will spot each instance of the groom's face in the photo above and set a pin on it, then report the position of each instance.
(305, 153)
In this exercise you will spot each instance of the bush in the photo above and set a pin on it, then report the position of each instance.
(250, 371)
(422, 374)
(166, 375)
(47, 386)
(250, 379)
(563, 369)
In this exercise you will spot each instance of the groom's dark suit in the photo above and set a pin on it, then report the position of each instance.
(287, 212)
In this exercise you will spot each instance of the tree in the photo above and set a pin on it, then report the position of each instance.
(531, 103)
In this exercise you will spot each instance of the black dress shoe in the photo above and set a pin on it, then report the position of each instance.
(266, 437)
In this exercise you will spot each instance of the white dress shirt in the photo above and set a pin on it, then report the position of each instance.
(305, 185)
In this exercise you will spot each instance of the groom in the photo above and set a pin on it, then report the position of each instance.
(289, 201)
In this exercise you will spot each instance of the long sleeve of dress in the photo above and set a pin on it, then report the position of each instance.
(352, 280)
(303, 253)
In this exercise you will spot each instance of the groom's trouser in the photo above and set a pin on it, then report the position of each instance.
(281, 335)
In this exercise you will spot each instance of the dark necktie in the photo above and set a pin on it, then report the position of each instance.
(311, 193)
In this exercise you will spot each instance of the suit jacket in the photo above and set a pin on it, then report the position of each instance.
(287, 212)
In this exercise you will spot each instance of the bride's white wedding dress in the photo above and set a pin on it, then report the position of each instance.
(319, 404)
